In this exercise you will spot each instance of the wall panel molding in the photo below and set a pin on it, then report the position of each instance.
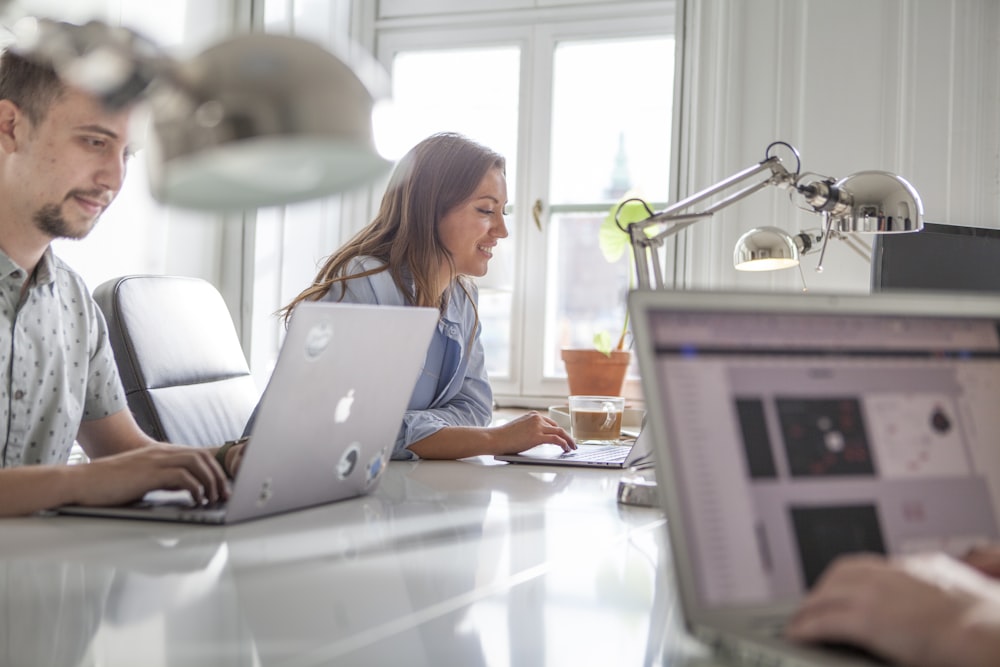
(909, 86)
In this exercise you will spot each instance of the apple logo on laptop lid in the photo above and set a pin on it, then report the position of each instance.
(343, 410)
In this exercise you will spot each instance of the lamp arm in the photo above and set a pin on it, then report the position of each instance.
(851, 241)
(644, 245)
(854, 244)
(772, 164)
(867, 201)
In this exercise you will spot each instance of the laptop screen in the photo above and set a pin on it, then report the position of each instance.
(794, 437)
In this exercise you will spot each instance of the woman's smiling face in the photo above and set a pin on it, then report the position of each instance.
(471, 230)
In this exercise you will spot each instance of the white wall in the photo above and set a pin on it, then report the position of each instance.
(908, 86)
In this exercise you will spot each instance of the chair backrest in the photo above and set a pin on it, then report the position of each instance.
(180, 360)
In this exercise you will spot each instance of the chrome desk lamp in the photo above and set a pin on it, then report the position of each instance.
(255, 120)
(868, 201)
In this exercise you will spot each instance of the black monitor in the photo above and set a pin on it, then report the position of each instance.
(938, 258)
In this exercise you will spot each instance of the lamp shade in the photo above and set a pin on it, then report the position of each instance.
(881, 203)
(260, 120)
(765, 249)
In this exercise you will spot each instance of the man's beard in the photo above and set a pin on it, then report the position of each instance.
(50, 220)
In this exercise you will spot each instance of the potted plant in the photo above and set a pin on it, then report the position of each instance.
(601, 370)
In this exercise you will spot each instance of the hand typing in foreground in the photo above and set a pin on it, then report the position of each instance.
(923, 611)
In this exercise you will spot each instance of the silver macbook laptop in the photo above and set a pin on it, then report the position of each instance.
(790, 429)
(327, 422)
(635, 454)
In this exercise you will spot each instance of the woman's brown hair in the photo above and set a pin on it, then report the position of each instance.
(436, 175)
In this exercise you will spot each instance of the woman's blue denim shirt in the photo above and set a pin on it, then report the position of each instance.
(453, 388)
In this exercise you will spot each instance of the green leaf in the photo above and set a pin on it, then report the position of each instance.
(614, 241)
(602, 342)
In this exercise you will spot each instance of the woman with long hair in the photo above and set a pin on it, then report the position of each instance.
(441, 216)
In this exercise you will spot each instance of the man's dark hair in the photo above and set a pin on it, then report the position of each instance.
(33, 87)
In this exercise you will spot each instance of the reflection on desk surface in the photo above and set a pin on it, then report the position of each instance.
(458, 562)
(42, 624)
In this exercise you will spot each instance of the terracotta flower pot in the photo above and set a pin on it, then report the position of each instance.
(592, 373)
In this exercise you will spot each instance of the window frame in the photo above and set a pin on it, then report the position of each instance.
(536, 32)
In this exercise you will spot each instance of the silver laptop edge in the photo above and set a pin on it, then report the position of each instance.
(711, 623)
(639, 455)
(343, 451)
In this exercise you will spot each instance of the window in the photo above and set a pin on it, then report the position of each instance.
(610, 138)
(473, 90)
(579, 100)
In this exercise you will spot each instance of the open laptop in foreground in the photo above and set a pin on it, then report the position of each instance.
(327, 422)
(638, 454)
(790, 429)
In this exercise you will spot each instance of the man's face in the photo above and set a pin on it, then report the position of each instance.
(72, 164)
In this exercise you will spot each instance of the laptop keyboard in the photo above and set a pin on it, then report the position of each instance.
(205, 513)
(607, 453)
(770, 626)
(154, 502)
(750, 652)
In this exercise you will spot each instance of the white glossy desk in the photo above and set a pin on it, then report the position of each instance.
(448, 563)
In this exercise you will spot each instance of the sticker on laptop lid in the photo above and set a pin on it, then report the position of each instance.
(375, 467)
(348, 460)
(318, 339)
